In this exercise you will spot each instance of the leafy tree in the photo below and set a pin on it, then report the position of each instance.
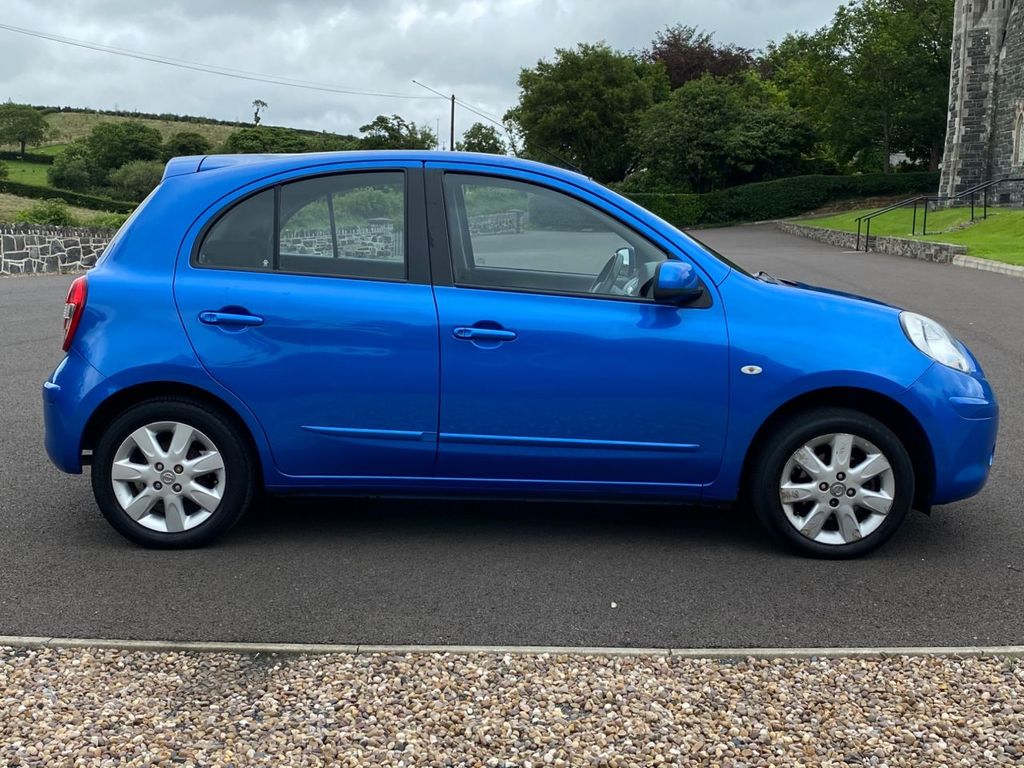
(74, 168)
(113, 144)
(874, 81)
(687, 53)
(21, 124)
(482, 138)
(581, 107)
(248, 141)
(395, 132)
(185, 143)
(134, 180)
(715, 132)
(258, 106)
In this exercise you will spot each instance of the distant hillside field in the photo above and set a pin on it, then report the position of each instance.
(68, 126)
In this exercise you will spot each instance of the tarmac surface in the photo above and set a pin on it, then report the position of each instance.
(515, 573)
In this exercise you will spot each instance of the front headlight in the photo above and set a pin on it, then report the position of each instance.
(934, 340)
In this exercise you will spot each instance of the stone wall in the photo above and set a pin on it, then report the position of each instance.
(506, 223)
(1009, 108)
(941, 253)
(29, 248)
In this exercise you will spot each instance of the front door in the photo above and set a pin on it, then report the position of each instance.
(554, 366)
(310, 300)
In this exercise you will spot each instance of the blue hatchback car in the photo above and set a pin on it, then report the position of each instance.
(423, 323)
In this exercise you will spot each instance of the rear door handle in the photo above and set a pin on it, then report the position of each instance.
(229, 318)
(487, 334)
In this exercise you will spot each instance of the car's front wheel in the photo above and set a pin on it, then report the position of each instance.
(171, 473)
(833, 483)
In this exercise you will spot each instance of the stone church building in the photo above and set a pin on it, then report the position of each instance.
(985, 137)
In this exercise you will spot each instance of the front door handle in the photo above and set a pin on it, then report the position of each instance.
(229, 318)
(473, 333)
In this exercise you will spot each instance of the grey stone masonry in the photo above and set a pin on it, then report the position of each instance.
(941, 253)
(29, 248)
(986, 94)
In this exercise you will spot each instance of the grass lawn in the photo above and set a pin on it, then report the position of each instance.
(68, 126)
(11, 204)
(27, 173)
(1000, 237)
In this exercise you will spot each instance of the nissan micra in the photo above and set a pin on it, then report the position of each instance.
(420, 323)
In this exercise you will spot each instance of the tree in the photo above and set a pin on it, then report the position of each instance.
(112, 144)
(74, 168)
(134, 180)
(482, 138)
(258, 105)
(715, 132)
(687, 53)
(394, 132)
(876, 80)
(21, 124)
(248, 141)
(581, 106)
(185, 143)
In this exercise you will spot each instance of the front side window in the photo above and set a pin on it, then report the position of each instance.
(515, 235)
(346, 225)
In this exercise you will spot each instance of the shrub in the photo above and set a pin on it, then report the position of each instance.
(135, 180)
(51, 212)
(779, 199)
(105, 220)
(111, 145)
(3, 170)
(74, 198)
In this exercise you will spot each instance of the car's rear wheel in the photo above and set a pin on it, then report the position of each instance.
(833, 483)
(171, 473)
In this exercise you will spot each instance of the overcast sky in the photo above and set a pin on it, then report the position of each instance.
(474, 49)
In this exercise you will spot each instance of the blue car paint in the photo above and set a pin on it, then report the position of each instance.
(592, 396)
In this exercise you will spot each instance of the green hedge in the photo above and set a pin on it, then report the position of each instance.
(779, 199)
(72, 198)
(28, 157)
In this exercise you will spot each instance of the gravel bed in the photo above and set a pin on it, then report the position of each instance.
(90, 707)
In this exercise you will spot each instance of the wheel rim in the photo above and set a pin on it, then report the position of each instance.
(168, 477)
(837, 489)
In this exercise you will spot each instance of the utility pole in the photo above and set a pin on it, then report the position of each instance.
(452, 136)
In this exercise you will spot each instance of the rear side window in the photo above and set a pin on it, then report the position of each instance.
(243, 238)
(346, 225)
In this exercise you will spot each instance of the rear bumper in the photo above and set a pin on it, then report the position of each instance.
(63, 414)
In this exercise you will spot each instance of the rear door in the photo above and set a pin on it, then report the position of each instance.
(310, 300)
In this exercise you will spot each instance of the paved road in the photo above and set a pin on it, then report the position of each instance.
(490, 573)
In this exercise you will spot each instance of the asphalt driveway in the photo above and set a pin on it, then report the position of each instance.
(469, 572)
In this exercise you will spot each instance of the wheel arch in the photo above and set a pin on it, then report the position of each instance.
(885, 409)
(131, 396)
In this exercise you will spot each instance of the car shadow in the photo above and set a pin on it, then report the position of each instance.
(294, 519)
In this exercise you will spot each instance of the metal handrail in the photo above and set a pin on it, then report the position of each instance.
(971, 192)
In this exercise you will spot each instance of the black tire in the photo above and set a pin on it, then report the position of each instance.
(239, 474)
(770, 462)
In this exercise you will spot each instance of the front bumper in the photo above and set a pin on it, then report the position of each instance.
(960, 417)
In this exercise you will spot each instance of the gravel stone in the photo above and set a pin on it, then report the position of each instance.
(101, 707)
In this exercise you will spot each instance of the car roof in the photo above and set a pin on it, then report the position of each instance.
(282, 162)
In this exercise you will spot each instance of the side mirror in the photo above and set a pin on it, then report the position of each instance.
(676, 282)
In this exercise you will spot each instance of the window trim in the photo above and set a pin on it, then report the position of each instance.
(419, 274)
(441, 190)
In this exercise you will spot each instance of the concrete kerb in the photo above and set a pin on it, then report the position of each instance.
(310, 649)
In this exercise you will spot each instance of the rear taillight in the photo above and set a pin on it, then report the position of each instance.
(74, 306)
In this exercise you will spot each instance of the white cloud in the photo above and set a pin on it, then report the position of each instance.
(474, 48)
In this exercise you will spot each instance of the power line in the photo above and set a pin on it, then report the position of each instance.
(238, 74)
